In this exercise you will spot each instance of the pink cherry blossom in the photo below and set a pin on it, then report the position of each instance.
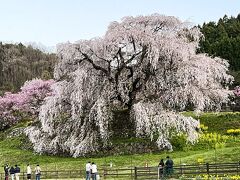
(147, 65)
(27, 101)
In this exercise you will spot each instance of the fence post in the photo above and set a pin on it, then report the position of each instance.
(207, 165)
(238, 167)
(131, 174)
(104, 172)
(135, 173)
(181, 170)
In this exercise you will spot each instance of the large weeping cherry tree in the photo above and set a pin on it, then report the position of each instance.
(146, 65)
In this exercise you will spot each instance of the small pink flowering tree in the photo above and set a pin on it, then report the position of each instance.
(25, 102)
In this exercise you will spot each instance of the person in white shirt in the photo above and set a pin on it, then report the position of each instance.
(88, 170)
(38, 172)
(29, 172)
(94, 171)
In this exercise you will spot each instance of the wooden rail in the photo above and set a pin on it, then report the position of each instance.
(189, 170)
(144, 172)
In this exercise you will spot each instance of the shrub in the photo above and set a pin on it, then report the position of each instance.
(203, 128)
(200, 160)
(179, 141)
(234, 132)
(213, 140)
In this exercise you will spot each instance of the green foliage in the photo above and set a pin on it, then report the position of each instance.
(218, 122)
(203, 128)
(212, 140)
(234, 132)
(222, 39)
(179, 141)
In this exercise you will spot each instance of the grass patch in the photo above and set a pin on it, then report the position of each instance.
(11, 152)
(218, 122)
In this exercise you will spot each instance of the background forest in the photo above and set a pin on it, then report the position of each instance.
(19, 63)
(222, 39)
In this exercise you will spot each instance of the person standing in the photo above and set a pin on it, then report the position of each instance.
(29, 172)
(88, 170)
(6, 170)
(38, 172)
(161, 168)
(17, 172)
(12, 172)
(94, 171)
(169, 166)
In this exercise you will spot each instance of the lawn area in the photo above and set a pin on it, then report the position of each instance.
(11, 153)
(218, 121)
(21, 157)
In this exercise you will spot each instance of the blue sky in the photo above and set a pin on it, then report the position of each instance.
(54, 21)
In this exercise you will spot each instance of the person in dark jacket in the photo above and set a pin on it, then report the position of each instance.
(12, 172)
(161, 167)
(169, 166)
(17, 172)
(6, 170)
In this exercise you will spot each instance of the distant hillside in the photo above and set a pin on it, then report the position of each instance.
(19, 63)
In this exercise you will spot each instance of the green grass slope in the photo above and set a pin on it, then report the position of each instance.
(218, 121)
(11, 152)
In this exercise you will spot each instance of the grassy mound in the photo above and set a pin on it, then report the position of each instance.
(12, 150)
(218, 122)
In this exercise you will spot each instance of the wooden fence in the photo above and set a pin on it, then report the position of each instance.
(189, 171)
(144, 172)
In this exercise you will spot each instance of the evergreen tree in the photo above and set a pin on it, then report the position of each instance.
(222, 39)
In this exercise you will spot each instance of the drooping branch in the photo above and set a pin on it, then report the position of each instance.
(147, 64)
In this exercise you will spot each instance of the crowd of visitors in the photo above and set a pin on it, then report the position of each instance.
(14, 172)
(165, 168)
